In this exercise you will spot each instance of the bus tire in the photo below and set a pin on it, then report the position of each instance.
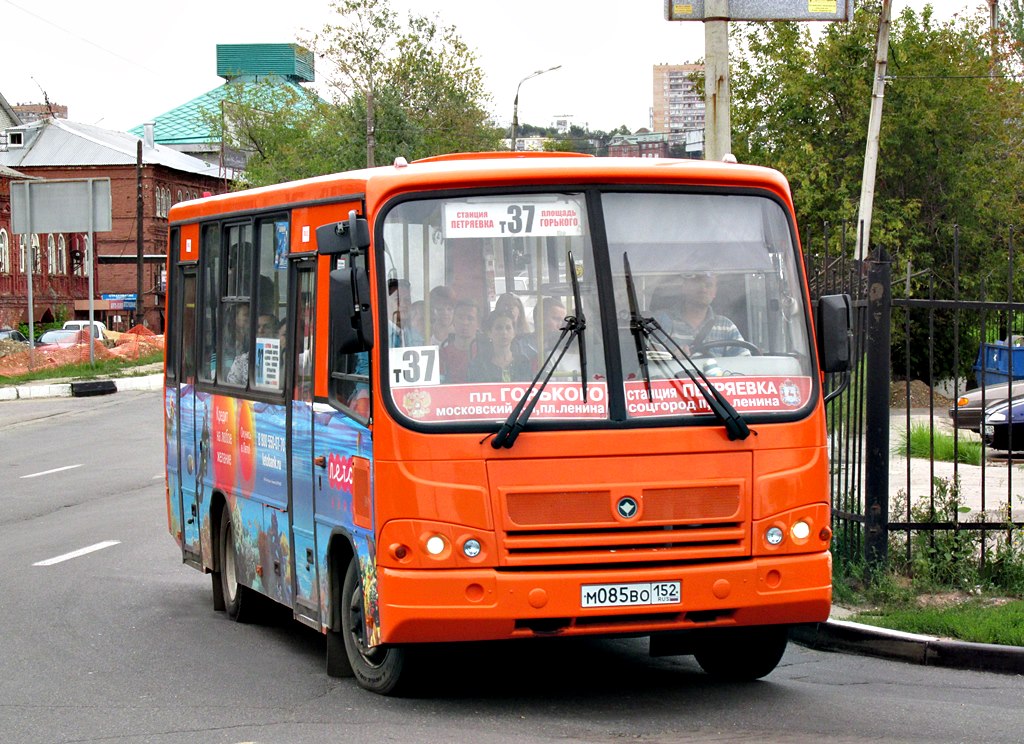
(744, 654)
(240, 602)
(377, 669)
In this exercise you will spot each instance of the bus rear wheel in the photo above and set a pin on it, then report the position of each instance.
(744, 654)
(240, 602)
(378, 669)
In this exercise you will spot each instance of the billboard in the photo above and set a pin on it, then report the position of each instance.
(60, 206)
(762, 10)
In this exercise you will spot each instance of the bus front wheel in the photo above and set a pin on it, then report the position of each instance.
(378, 669)
(744, 654)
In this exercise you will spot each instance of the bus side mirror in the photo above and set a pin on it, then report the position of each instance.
(834, 324)
(351, 319)
(350, 236)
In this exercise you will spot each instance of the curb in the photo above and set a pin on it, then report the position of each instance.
(869, 640)
(92, 387)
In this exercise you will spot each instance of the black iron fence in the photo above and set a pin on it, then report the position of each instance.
(909, 479)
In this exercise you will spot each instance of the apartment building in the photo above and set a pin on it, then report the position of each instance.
(678, 107)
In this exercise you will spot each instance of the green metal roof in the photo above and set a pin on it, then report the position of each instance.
(185, 125)
(291, 64)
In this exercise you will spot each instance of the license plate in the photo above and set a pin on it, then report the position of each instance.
(990, 430)
(630, 595)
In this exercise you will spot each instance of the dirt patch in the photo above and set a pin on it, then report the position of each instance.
(921, 396)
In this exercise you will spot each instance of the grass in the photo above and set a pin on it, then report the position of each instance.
(84, 370)
(976, 621)
(923, 439)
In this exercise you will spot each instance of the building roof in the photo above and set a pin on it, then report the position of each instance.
(59, 142)
(8, 116)
(14, 175)
(190, 123)
(239, 64)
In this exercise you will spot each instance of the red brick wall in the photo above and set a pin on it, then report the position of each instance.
(111, 276)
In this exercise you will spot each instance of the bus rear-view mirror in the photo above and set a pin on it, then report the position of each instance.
(834, 325)
(351, 319)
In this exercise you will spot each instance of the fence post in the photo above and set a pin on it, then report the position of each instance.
(876, 423)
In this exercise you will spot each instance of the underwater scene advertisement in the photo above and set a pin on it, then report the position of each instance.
(248, 447)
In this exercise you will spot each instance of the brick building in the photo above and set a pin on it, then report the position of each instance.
(639, 145)
(61, 149)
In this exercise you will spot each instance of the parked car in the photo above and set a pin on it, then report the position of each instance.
(1003, 427)
(10, 334)
(968, 410)
(57, 339)
(99, 330)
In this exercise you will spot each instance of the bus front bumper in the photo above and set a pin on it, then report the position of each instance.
(424, 606)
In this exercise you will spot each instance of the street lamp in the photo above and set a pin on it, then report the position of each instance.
(515, 106)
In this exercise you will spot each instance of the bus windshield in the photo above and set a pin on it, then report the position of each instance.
(478, 289)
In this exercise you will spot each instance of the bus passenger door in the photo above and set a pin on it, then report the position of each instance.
(189, 440)
(300, 444)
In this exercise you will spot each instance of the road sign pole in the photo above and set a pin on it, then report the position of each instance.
(92, 351)
(31, 259)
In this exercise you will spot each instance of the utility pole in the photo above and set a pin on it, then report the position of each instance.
(867, 188)
(717, 98)
(140, 309)
(993, 26)
(371, 130)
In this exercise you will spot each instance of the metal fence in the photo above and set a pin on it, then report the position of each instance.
(905, 479)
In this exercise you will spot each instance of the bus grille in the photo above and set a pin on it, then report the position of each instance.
(581, 528)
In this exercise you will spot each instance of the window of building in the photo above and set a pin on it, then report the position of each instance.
(51, 254)
(5, 253)
(22, 248)
(37, 256)
(62, 256)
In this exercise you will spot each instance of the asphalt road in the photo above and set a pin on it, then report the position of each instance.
(121, 644)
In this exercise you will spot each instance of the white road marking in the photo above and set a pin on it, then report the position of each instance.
(158, 477)
(55, 470)
(78, 553)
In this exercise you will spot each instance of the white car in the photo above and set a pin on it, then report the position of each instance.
(99, 330)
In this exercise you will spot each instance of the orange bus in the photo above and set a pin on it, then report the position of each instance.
(492, 396)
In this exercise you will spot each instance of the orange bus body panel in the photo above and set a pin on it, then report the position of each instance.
(533, 506)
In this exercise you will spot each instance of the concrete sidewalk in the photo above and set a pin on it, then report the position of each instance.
(148, 378)
(844, 636)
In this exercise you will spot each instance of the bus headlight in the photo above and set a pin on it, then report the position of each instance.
(800, 530)
(435, 545)
(773, 535)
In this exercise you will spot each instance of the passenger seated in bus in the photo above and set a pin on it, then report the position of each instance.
(442, 305)
(236, 341)
(462, 344)
(417, 319)
(267, 328)
(400, 314)
(499, 360)
(682, 305)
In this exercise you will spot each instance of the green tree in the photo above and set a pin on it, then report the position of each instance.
(410, 90)
(949, 140)
(417, 84)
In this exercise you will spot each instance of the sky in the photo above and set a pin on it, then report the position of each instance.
(116, 65)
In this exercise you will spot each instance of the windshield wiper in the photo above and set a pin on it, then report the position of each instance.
(644, 328)
(572, 328)
(580, 321)
(636, 326)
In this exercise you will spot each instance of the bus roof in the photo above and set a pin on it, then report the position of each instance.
(490, 169)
